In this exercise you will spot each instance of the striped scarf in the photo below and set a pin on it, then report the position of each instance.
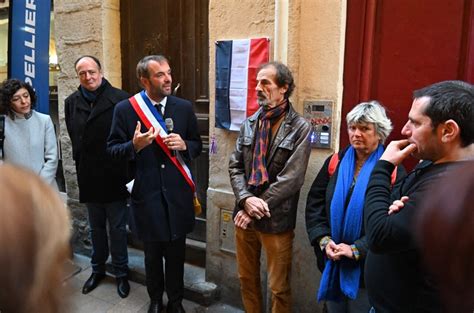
(259, 174)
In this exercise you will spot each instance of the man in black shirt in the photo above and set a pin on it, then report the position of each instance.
(440, 131)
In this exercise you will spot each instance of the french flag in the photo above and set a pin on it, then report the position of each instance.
(237, 63)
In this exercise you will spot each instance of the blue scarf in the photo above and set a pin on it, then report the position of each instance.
(342, 277)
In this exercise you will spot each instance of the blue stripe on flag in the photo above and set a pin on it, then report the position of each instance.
(223, 66)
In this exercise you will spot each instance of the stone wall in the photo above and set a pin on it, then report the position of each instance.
(83, 27)
(308, 35)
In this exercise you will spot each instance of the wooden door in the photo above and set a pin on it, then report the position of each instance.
(396, 46)
(177, 29)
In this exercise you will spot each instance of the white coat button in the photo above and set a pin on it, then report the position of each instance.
(162, 166)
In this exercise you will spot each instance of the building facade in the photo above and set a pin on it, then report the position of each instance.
(338, 51)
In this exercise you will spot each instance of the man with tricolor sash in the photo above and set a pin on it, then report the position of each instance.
(267, 170)
(163, 191)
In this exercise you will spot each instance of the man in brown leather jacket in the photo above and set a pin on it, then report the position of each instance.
(267, 170)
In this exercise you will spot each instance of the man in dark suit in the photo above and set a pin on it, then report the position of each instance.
(101, 180)
(162, 196)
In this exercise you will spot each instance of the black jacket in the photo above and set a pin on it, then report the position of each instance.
(318, 210)
(162, 200)
(100, 178)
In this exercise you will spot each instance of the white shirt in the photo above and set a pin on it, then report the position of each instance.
(162, 102)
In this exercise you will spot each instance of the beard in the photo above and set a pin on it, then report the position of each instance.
(262, 102)
(165, 91)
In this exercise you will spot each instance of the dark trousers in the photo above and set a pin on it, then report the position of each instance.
(173, 253)
(116, 214)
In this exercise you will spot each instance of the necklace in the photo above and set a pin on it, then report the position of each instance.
(358, 167)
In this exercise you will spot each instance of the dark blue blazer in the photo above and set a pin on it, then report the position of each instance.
(162, 201)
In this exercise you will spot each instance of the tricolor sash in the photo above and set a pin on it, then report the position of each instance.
(150, 117)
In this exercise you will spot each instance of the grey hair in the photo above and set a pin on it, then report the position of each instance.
(371, 112)
(142, 66)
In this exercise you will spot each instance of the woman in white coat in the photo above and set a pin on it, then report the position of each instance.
(30, 140)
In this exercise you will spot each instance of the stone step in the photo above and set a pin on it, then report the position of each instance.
(195, 250)
(196, 288)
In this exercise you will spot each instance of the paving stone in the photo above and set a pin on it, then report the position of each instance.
(80, 303)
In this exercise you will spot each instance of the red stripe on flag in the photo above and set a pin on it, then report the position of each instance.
(160, 142)
(259, 54)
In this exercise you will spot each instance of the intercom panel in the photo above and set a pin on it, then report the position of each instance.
(319, 114)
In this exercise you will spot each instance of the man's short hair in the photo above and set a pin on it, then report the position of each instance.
(96, 60)
(451, 99)
(283, 76)
(142, 66)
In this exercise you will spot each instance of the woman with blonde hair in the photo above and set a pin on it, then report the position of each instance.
(34, 238)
